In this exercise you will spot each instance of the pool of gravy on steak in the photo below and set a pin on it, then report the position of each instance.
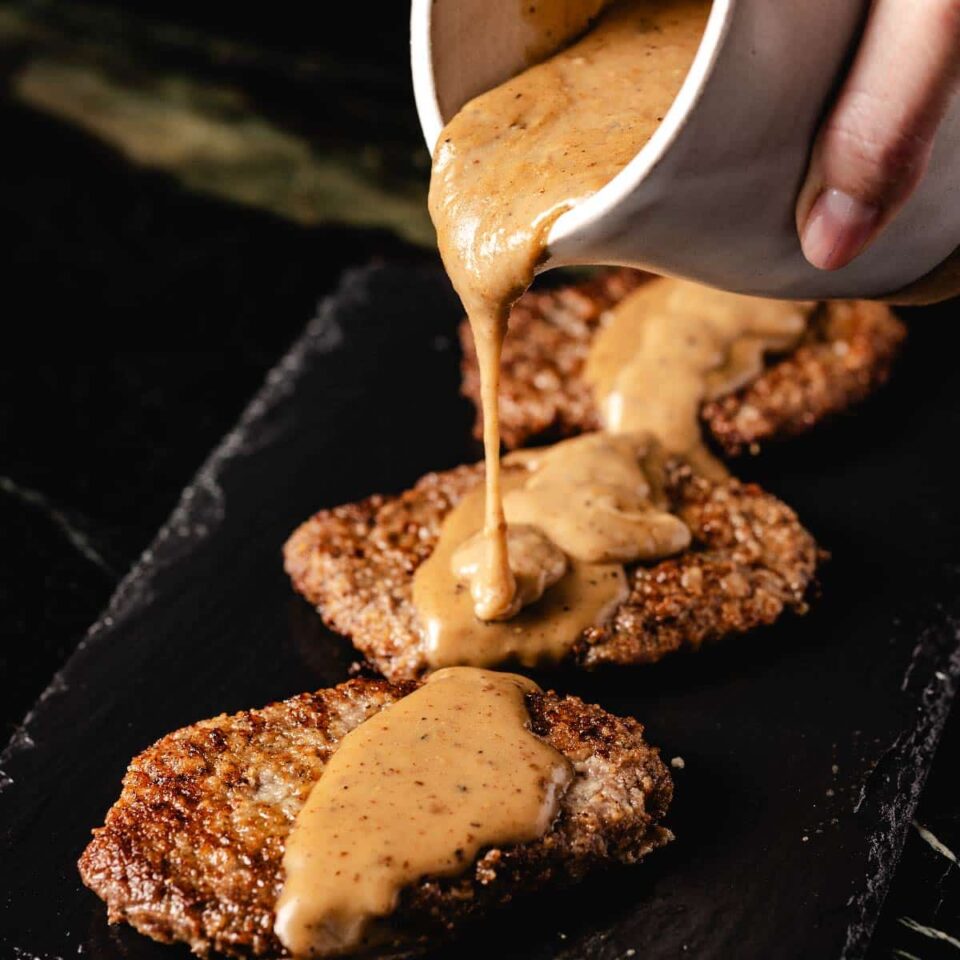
(415, 791)
(671, 345)
(505, 167)
(576, 513)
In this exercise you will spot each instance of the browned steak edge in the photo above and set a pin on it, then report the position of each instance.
(750, 561)
(847, 355)
(192, 850)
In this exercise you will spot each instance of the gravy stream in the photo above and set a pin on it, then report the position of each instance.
(422, 786)
(417, 790)
(515, 158)
(543, 632)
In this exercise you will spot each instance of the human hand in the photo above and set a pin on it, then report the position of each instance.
(874, 146)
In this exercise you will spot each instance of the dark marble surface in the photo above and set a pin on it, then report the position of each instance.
(146, 318)
(146, 314)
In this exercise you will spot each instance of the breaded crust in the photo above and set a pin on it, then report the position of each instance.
(846, 355)
(750, 560)
(192, 851)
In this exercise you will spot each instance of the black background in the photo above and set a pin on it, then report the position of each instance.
(139, 317)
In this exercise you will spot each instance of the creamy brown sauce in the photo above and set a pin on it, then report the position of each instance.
(421, 787)
(513, 159)
(599, 499)
(415, 791)
(541, 633)
(671, 345)
(596, 502)
(536, 564)
(555, 22)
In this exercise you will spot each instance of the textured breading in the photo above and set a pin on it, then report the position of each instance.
(192, 850)
(846, 355)
(750, 560)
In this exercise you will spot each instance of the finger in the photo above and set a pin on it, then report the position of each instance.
(875, 144)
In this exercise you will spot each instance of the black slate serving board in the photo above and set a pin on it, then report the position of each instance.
(804, 747)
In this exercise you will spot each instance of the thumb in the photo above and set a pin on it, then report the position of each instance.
(875, 144)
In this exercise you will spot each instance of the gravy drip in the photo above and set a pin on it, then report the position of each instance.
(577, 512)
(421, 787)
(515, 158)
(417, 790)
(671, 345)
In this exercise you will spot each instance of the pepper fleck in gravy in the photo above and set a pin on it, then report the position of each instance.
(513, 159)
(421, 787)
(417, 790)
(671, 345)
(577, 512)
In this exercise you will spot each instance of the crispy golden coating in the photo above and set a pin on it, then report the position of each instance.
(192, 851)
(750, 560)
(847, 354)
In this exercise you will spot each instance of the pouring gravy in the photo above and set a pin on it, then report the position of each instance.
(422, 786)
(515, 158)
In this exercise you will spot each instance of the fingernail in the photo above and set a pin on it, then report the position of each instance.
(838, 227)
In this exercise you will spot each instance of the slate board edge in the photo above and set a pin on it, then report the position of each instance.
(903, 769)
(200, 506)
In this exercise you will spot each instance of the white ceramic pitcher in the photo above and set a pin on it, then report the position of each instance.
(711, 196)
